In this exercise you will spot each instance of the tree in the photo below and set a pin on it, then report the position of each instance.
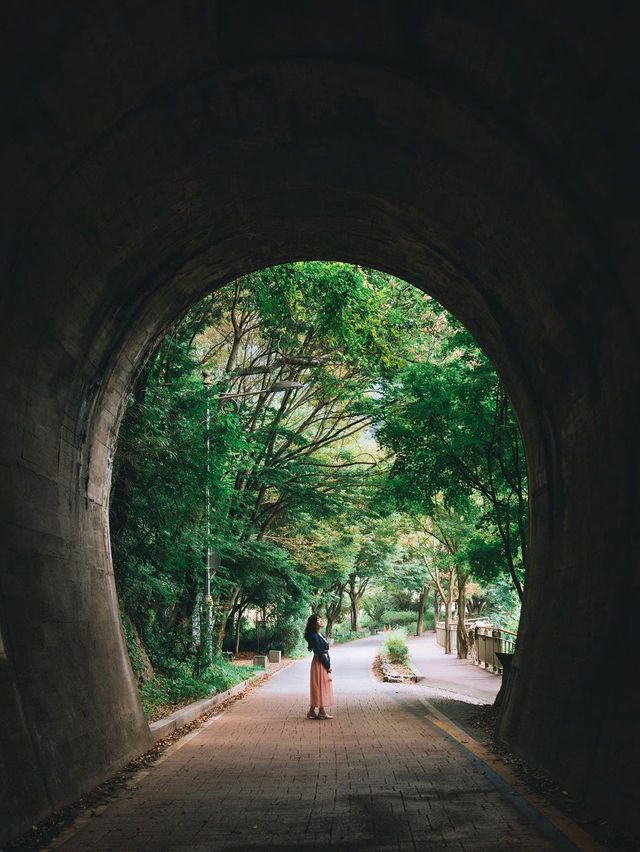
(325, 550)
(377, 539)
(434, 556)
(408, 576)
(273, 462)
(449, 422)
(320, 334)
(157, 501)
(292, 357)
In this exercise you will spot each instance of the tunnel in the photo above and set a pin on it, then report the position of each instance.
(487, 153)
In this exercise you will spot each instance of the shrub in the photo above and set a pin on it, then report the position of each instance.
(428, 622)
(342, 632)
(284, 634)
(163, 692)
(408, 619)
(397, 650)
(401, 618)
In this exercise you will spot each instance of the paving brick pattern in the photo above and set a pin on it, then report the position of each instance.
(261, 776)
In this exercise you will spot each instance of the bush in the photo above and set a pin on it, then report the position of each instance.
(397, 650)
(342, 632)
(163, 693)
(286, 635)
(281, 634)
(428, 622)
(408, 619)
(141, 671)
(401, 618)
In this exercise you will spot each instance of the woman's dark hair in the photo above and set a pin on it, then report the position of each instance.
(310, 629)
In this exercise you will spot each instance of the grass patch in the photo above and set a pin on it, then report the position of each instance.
(164, 694)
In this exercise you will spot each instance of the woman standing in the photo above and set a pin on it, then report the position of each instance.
(321, 688)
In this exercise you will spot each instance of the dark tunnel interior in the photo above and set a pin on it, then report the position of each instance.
(152, 152)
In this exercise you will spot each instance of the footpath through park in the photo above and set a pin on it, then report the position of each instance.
(387, 772)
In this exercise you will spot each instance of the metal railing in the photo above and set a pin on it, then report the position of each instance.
(453, 631)
(486, 642)
(453, 634)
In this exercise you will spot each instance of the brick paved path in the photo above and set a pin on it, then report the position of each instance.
(261, 776)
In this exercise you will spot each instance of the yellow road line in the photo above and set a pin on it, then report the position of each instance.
(576, 835)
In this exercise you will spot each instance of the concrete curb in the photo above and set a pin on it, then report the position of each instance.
(163, 727)
(418, 675)
(388, 671)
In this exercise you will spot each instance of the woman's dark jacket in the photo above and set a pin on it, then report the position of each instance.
(320, 648)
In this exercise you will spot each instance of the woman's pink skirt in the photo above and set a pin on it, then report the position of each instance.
(321, 689)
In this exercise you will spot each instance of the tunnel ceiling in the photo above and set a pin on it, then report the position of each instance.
(441, 146)
(154, 151)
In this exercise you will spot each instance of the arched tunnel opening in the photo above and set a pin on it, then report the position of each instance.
(155, 155)
(314, 436)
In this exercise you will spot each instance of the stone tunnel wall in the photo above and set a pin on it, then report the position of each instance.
(157, 150)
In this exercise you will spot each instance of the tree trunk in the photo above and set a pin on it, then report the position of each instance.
(333, 609)
(355, 591)
(461, 633)
(436, 609)
(421, 603)
(236, 644)
(223, 614)
(447, 622)
(217, 636)
(354, 614)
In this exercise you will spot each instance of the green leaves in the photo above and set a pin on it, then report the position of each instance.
(456, 441)
(276, 465)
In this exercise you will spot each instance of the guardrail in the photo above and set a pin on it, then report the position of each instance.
(486, 643)
(453, 634)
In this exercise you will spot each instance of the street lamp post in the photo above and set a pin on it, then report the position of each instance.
(208, 599)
